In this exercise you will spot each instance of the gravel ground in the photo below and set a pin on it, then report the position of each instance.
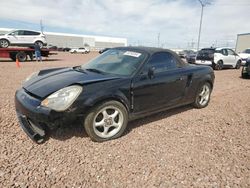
(184, 147)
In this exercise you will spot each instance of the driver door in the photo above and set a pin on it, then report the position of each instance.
(161, 83)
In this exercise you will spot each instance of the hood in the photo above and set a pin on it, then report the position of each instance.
(51, 80)
(244, 55)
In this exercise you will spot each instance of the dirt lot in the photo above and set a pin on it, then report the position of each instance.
(183, 147)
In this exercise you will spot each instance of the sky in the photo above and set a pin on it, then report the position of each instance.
(174, 22)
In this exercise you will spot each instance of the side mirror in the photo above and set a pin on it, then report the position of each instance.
(151, 72)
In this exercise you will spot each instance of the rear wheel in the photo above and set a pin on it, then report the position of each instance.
(203, 96)
(4, 43)
(39, 43)
(219, 65)
(21, 56)
(106, 121)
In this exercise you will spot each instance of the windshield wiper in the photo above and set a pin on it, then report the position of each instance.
(95, 70)
(79, 68)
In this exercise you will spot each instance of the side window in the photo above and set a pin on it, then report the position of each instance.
(20, 32)
(163, 61)
(218, 51)
(230, 52)
(224, 52)
(30, 33)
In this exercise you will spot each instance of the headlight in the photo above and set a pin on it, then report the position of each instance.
(31, 76)
(63, 98)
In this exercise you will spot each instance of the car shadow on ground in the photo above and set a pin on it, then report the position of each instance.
(156, 117)
(76, 129)
(65, 132)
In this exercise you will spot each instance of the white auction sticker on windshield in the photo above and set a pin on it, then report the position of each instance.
(133, 54)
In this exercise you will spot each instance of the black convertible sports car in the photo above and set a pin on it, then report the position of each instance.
(120, 85)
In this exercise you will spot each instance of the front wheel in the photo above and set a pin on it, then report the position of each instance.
(4, 43)
(21, 56)
(106, 121)
(238, 64)
(203, 96)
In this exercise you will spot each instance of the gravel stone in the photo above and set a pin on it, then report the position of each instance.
(183, 147)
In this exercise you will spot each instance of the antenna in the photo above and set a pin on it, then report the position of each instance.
(158, 37)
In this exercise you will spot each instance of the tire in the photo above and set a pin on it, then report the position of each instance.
(40, 43)
(4, 43)
(203, 96)
(21, 56)
(101, 124)
(244, 75)
(219, 65)
(238, 64)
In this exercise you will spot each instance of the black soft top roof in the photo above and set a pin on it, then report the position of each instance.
(151, 50)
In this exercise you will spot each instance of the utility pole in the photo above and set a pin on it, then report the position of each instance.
(158, 37)
(41, 25)
(202, 6)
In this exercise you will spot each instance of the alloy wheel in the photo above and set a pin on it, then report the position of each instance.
(204, 95)
(40, 44)
(108, 122)
(4, 43)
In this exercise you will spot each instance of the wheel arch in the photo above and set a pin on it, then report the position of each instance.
(111, 98)
(38, 41)
(208, 78)
(220, 60)
(5, 39)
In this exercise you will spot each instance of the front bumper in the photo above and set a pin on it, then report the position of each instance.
(37, 120)
(245, 71)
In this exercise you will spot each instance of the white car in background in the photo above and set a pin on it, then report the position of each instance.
(22, 38)
(245, 55)
(218, 58)
(79, 50)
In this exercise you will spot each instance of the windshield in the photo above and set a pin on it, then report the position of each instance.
(116, 61)
(247, 51)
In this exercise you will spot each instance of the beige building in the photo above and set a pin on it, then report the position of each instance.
(243, 42)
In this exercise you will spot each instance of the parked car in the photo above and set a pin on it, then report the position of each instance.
(60, 49)
(122, 84)
(184, 53)
(190, 57)
(218, 58)
(52, 47)
(22, 38)
(79, 50)
(246, 69)
(245, 55)
(103, 50)
(66, 49)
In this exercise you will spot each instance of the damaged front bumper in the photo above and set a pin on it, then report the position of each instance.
(37, 120)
